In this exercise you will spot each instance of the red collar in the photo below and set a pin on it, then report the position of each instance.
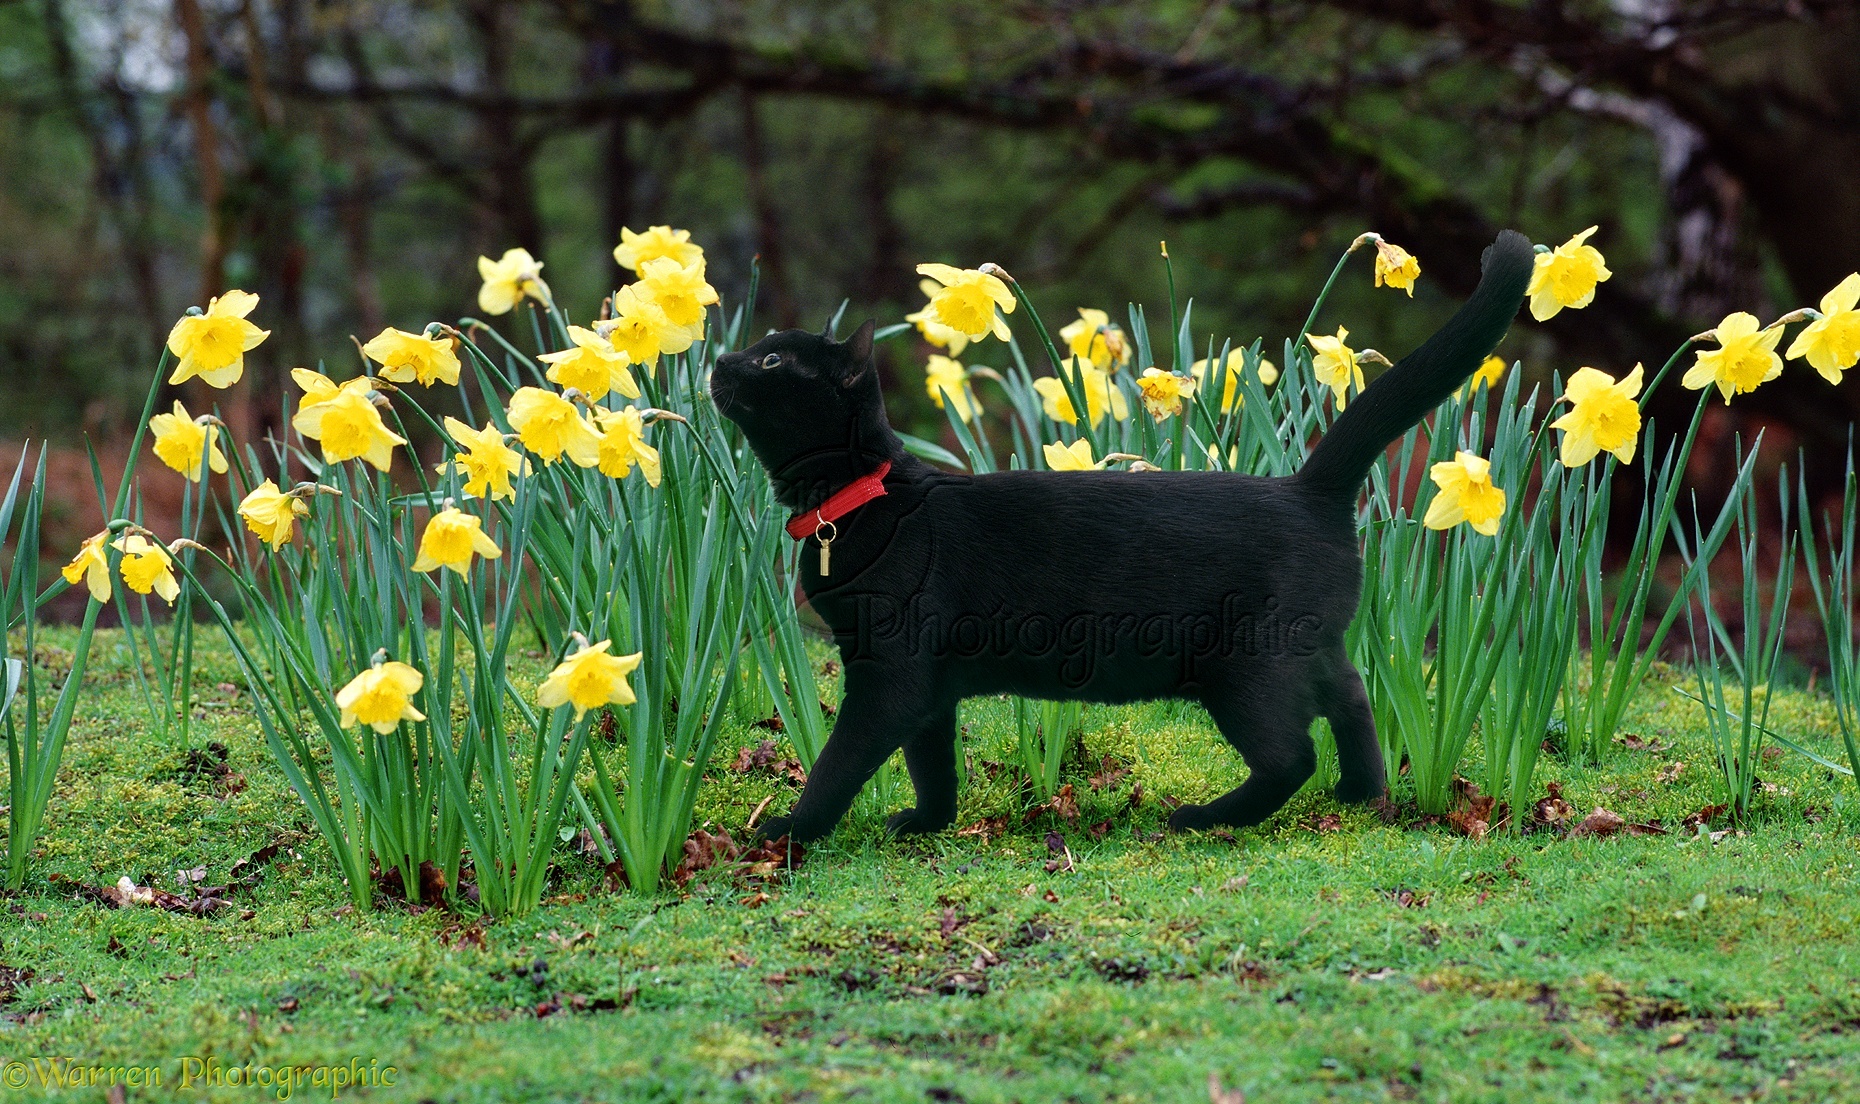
(842, 502)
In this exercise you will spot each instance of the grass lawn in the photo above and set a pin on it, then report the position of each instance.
(1318, 959)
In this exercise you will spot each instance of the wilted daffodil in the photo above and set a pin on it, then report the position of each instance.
(623, 444)
(409, 357)
(92, 566)
(966, 301)
(1603, 416)
(1566, 277)
(680, 290)
(183, 443)
(1163, 392)
(451, 538)
(381, 697)
(349, 426)
(1745, 357)
(589, 679)
(641, 329)
(1396, 267)
(1486, 375)
(147, 567)
(1073, 457)
(212, 345)
(508, 279)
(1095, 339)
(272, 514)
(635, 249)
(1831, 343)
(1466, 494)
(487, 462)
(549, 425)
(593, 367)
(946, 381)
(1334, 364)
(933, 331)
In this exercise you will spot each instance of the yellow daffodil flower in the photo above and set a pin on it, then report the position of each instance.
(381, 697)
(1095, 339)
(212, 346)
(635, 250)
(641, 329)
(1396, 267)
(319, 388)
(1231, 397)
(549, 425)
(92, 565)
(1073, 457)
(1831, 343)
(183, 443)
(1334, 364)
(508, 279)
(1745, 357)
(680, 290)
(349, 426)
(1566, 277)
(1233, 458)
(1603, 416)
(409, 357)
(1466, 494)
(1101, 396)
(945, 378)
(147, 567)
(593, 367)
(967, 299)
(623, 444)
(272, 514)
(1163, 392)
(589, 679)
(1486, 375)
(487, 462)
(933, 331)
(451, 538)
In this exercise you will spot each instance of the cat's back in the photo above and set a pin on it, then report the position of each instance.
(1185, 508)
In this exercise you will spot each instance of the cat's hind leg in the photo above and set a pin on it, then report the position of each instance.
(930, 754)
(1276, 743)
(1346, 706)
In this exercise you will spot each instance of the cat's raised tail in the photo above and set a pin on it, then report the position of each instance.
(1424, 378)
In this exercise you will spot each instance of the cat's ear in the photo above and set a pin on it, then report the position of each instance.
(858, 349)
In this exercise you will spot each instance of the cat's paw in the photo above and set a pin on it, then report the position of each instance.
(912, 822)
(1191, 818)
(774, 828)
(1355, 791)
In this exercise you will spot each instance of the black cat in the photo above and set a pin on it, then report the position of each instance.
(1231, 590)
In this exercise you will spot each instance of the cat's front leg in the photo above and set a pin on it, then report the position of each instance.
(930, 755)
(873, 721)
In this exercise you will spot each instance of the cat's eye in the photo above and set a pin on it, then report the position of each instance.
(773, 360)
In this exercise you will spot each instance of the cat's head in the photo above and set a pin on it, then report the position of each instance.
(806, 402)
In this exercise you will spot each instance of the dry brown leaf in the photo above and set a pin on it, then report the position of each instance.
(1219, 1095)
(1110, 773)
(1599, 823)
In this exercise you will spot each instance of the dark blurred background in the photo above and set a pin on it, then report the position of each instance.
(349, 159)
